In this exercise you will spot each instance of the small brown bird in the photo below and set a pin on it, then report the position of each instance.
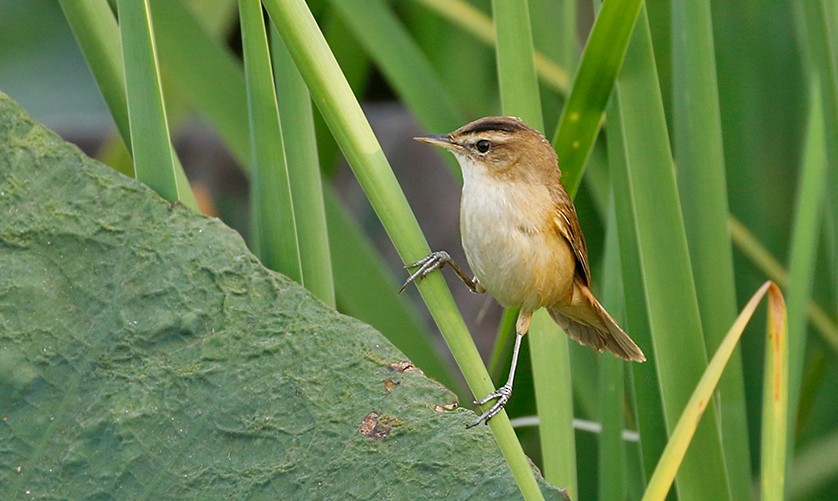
(522, 238)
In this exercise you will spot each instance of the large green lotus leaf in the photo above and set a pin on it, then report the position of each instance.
(145, 353)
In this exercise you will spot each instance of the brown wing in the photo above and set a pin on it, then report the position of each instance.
(568, 226)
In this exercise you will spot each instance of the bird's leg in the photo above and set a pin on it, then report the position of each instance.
(503, 393)
(435, 261)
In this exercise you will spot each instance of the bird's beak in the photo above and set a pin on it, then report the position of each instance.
(442, 140)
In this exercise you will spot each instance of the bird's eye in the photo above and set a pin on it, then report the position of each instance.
(483, 145)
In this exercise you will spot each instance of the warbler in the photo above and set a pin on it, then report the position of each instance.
(522, 239)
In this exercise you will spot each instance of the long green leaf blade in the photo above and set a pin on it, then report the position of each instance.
(694, 411)
(272, 211)
(294, 104)
(775, 396)
(150, 143)
(595, 77)
(516, 67)
(703, 194)
(404, 65)
(612, 447)
(679, 350)
(203, 69)
(646, 392)
(811, 190)
(802, 261)
(97, 33)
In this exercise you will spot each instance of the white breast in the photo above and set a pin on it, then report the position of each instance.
(513, 255)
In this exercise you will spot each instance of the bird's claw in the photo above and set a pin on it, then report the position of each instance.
(502, 395)
(433, 261)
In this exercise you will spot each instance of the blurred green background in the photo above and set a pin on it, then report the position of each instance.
(764, 62)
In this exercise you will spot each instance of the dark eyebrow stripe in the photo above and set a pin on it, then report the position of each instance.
(489, 125)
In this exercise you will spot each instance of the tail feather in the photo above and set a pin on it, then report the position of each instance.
(587, 322)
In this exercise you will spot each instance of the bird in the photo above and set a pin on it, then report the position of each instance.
(522, 239)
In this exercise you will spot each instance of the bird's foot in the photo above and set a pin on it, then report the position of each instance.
(432, 262)
(502, 395)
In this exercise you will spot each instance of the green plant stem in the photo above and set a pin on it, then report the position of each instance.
(355, 262)
(549, 353)
(502, 349)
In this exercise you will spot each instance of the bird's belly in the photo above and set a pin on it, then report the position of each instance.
(518, 262)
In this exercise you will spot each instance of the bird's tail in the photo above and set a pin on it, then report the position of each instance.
(587, 322)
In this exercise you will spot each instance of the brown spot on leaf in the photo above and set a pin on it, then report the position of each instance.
(368, 423)
(446, 407)
(376, 426)
(389, 384)
(402, 366)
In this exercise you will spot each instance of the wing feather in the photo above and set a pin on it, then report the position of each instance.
(568, 226)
